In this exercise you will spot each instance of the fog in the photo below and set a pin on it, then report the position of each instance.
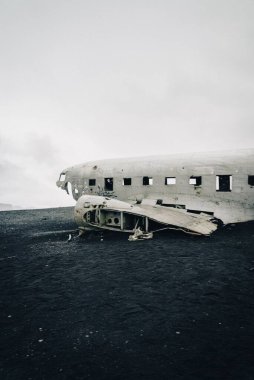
(83, 80)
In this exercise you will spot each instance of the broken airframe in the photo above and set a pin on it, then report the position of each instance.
(190, 192)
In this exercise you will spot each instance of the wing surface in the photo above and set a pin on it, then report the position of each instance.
(197, 223)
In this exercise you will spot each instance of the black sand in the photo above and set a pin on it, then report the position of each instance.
(176, 307)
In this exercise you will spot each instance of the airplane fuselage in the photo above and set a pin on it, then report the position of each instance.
(220, 184)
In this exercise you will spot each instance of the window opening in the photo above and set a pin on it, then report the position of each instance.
(92, 182)
(108, 184)
(196, 181)
(251, 180)
(126, 181)
(223, 182)
(62, 177)
(170, 180)
(147, 181)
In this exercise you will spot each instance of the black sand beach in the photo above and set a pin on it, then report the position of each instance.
(175, 307)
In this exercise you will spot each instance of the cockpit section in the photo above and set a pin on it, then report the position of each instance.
(64, 182)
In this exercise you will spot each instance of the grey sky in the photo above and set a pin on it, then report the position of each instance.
(82, 80)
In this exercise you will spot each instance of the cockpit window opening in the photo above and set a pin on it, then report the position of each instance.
(147, 181)
(92, 182)
(126, 181)
(108, 184)
(170, 180)
(251, 180)
(224, 183)
(196, 181)
(62, 177)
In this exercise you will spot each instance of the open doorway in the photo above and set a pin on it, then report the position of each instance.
(224, 183)
(108, 184)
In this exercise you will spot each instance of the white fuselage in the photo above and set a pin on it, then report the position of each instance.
(219, 183)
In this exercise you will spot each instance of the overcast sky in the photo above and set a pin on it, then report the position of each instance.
(88, 79)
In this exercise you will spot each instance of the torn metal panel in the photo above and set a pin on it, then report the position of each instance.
(199, 223)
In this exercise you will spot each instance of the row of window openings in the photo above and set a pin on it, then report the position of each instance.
(223, 182)
(147, 181)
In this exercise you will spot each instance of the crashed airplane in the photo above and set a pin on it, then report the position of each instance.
(190, 192)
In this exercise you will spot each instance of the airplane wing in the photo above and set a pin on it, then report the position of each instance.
(97, 212)
(201, 224)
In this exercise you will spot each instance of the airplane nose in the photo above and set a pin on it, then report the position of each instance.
(61, 181)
